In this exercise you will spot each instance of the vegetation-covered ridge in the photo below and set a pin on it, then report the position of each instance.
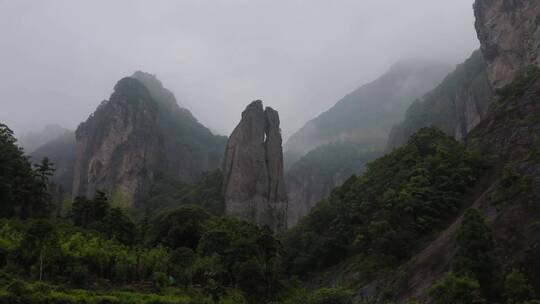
(403, 199)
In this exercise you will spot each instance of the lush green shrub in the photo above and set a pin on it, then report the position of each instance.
(331, 296)
(160, 280)
(475, 256)
(452, 289)
(516, 287)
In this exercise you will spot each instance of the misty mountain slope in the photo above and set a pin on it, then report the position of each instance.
(396, 231)
(61, 152)
(375, 222)
(32, 140)
(366, 115)
(341, 140)
(477, 237)
(138, 134)
(455, 106)
(507, 195)
(312, 178)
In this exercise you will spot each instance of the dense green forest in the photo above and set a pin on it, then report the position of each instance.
(403, 198)
(92, 250)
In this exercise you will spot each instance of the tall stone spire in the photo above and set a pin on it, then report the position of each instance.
(254, 186)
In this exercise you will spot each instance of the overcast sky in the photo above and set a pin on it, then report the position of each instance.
(59, 59)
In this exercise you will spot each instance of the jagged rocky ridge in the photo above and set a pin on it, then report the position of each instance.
(254, 187)
(138, 133)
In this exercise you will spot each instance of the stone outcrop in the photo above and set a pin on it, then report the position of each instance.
(510, 37)
(119, 147)
(190, 148)
(254, 187)
(138, 134)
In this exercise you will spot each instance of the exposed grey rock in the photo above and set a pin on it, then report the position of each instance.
(510, 36)
(254, 187)
(138, 133)
(119, 147)
(190, 148)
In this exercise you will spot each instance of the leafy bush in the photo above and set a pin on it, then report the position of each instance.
(160, 280)
(475, 254)
(452, 289)
(331, 296)
(516, 287)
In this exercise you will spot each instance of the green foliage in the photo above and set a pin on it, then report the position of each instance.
(169, 192)
(516, 287)
(519, 84)
(97, 214)
(160, 280)
(331, 296)
(511, 184)
(21, 292)
(179, 227)
(250, 256)
(119, 199)
(475, 254)
(344, 157)
(321, 296)
(403, 197)
(23, 191)
(453, 289)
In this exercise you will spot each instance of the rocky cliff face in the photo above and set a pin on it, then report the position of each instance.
(254, 187)
(456, 106)
(510, 37)
(119, 146)
(190, 148)
(141, 132)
